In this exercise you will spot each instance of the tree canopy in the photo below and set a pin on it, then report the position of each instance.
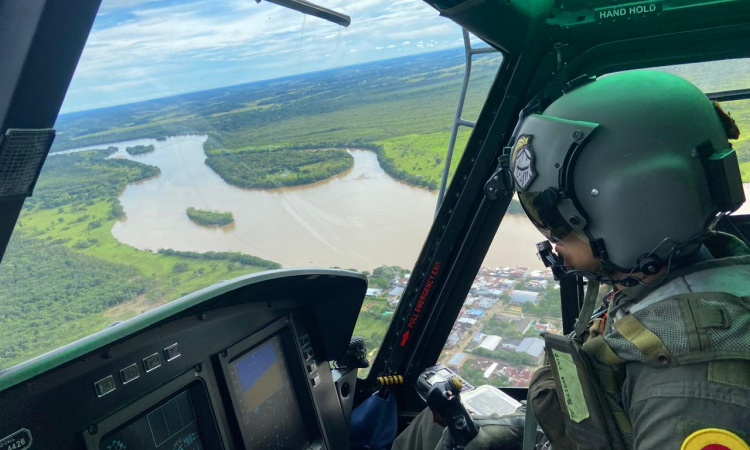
(140, 149)
(49, 292)
(279, 168)
(210, 217)
(85, 177)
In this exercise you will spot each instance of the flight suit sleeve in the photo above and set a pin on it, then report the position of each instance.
(666, 405)
(422, 434)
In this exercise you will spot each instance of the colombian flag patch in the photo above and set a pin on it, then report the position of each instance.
(714, 439)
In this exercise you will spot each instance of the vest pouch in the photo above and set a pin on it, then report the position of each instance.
(588, 422)
(542, 398)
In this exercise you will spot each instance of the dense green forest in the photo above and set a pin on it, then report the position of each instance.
(371, 101)
(399, 103)
(140, 149)
(279, 168)
(64, 275)
(210, 218)
(51, 295)
(404, 105)
(82, 178)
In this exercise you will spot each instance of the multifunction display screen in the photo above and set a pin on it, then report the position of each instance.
(171, 426)
(270, 413)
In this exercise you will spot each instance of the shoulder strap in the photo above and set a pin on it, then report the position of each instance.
(589, 302)
(634, 332)
(712, 325)
(599, 348)
(645, 341)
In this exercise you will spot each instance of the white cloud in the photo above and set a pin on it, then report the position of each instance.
(142, 48)
(119, 85)
(108, 6)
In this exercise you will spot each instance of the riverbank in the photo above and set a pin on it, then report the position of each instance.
(413, 160)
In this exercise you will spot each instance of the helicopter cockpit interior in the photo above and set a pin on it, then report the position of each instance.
(230, 347)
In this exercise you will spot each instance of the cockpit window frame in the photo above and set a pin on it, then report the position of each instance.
(553, 70)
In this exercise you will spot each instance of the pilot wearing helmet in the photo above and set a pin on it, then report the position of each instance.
(627, 177)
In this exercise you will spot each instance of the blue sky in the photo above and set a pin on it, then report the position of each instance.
(143, 49)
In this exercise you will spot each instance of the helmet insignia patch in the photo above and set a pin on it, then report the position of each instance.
(523, 162)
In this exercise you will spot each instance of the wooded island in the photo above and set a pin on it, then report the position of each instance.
(210, 218)
(279, 167)
(140, 149)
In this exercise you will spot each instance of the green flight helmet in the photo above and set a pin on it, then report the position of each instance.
(620, 161)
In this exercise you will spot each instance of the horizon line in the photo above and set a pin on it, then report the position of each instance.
(119, 105)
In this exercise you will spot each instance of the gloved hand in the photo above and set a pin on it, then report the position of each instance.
(495, 433)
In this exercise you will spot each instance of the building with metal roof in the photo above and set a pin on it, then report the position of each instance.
(532, 346)
(491, 342)
(521, 297)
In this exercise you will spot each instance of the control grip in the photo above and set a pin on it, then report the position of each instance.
(444, 401)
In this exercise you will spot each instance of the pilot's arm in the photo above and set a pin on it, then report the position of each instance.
(495, 433)
(501, 433)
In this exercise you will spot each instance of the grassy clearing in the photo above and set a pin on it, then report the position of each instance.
(745, 171)
(424, 154)
(169, 284)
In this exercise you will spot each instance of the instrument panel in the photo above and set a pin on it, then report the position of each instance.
(240, 366)
(273, 408)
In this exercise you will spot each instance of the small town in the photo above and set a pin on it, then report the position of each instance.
(496, 338)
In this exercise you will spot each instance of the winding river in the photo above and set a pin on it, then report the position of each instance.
(359, 219)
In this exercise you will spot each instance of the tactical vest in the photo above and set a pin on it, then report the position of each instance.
(700, 315)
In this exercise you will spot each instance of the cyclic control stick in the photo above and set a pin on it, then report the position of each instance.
(443, 398)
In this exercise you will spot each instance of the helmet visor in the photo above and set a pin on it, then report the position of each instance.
(546, 218)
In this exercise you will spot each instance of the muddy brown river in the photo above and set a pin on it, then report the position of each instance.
(359, 219)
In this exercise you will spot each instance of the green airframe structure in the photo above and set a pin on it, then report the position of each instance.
(76, 396)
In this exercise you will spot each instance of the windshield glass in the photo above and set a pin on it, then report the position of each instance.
(198, 143)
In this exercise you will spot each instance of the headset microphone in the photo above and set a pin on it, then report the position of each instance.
(556, 263)
(551, 259)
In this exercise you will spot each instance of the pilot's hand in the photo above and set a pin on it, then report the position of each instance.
(495, 433)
